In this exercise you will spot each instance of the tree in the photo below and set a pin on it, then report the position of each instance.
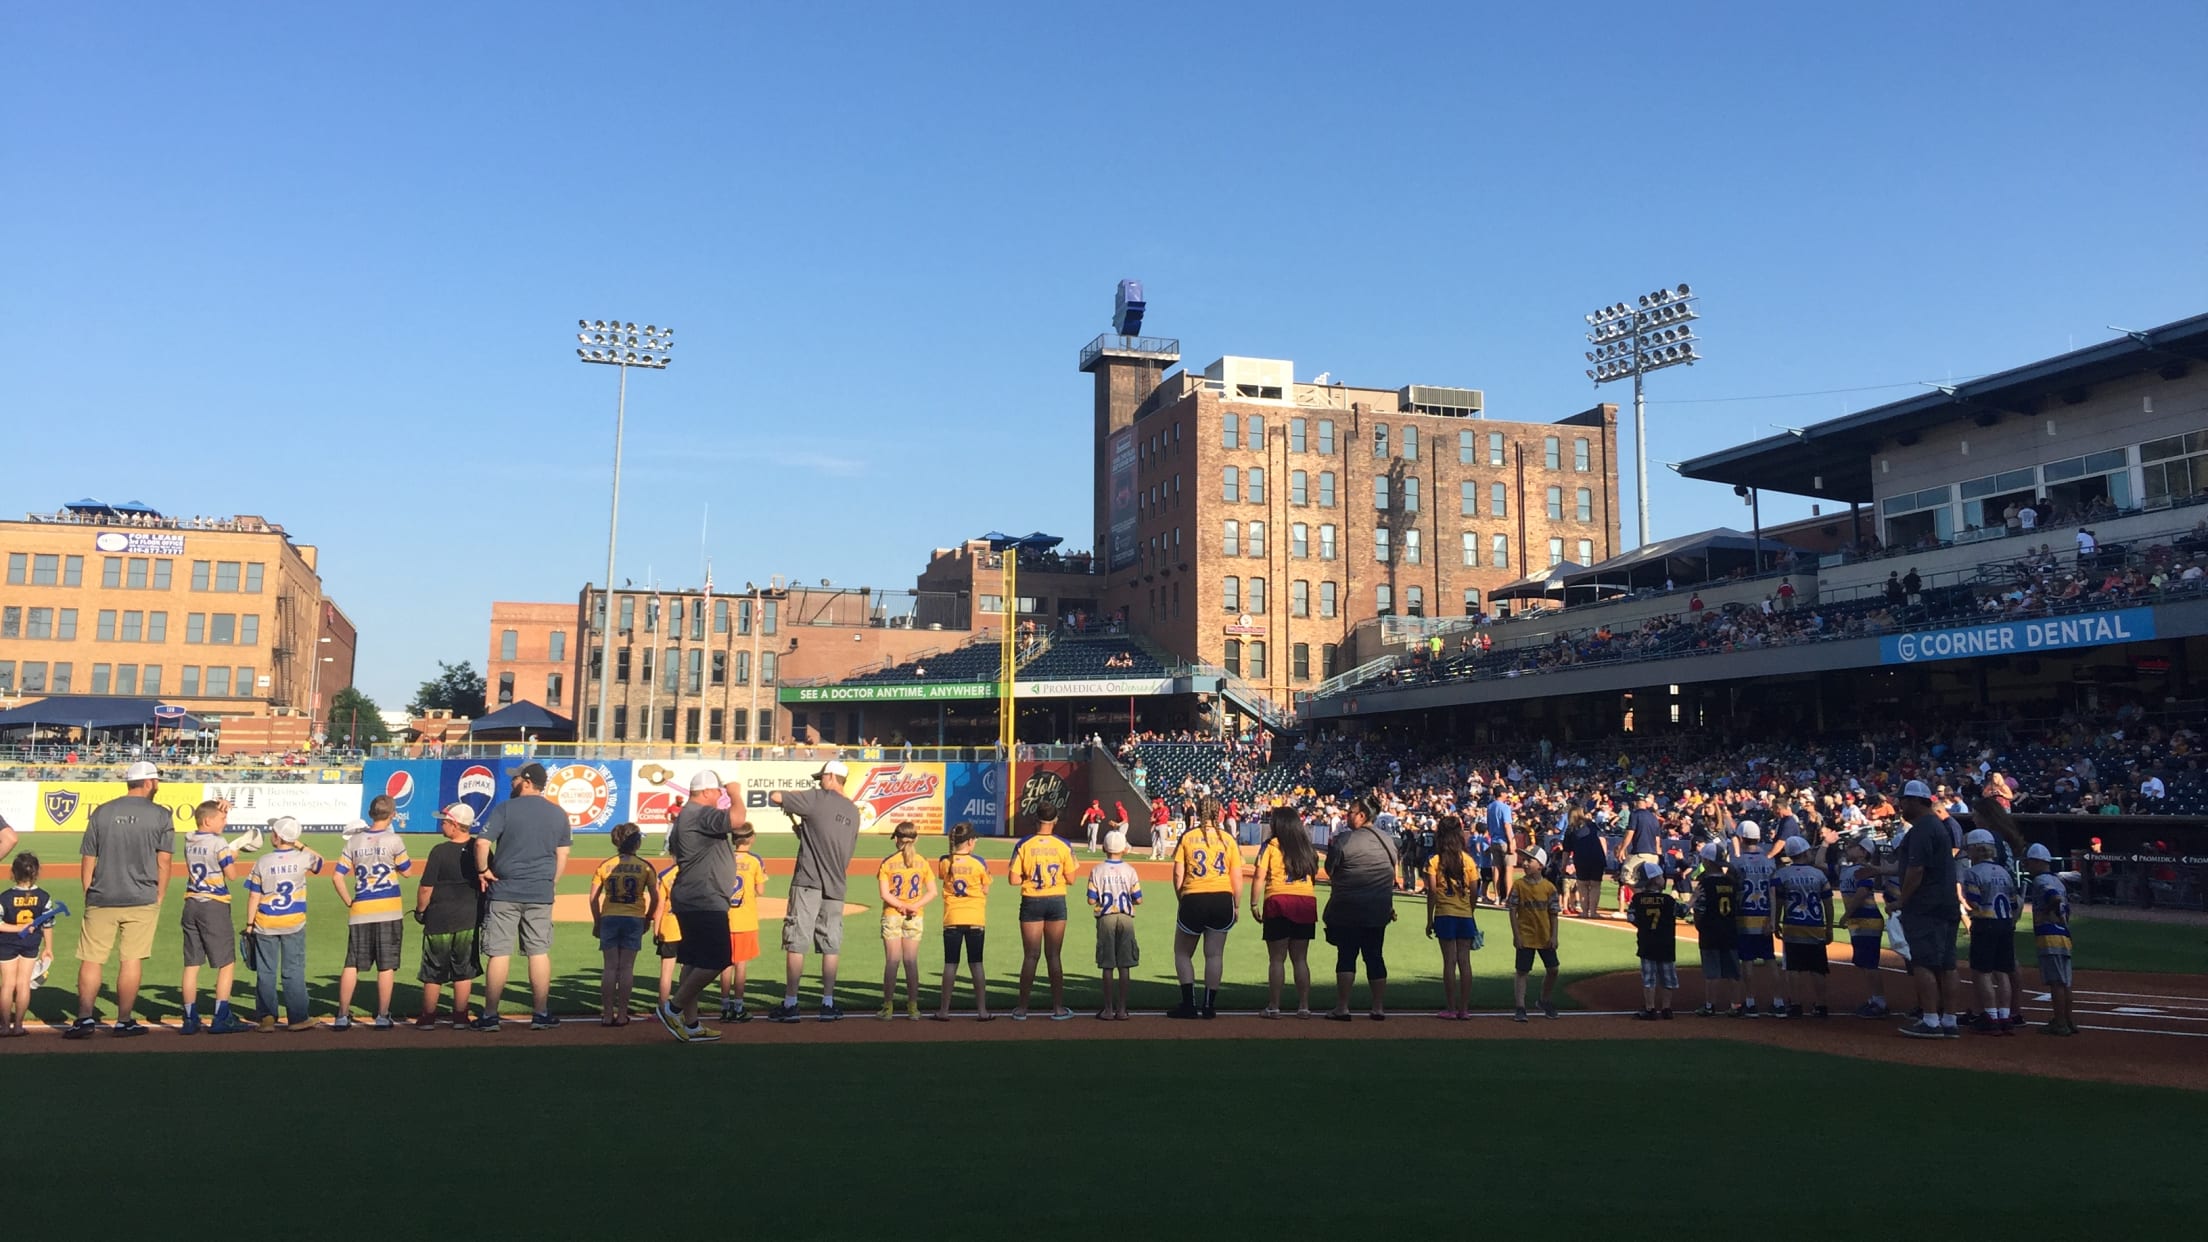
(457, 688)
(355, 715)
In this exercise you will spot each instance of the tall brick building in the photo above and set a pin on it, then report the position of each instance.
(1250, 521)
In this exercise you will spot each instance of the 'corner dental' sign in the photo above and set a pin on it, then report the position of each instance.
(2091, 629)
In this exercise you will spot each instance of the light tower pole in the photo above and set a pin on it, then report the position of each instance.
(610, 342)
(1655, 332)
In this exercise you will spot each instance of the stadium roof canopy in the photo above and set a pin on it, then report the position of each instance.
(1832, 460)
(1549, 582)
(1705, 553)
(93, 711)
(523, 715)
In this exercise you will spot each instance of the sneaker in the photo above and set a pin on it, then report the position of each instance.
(1746, 1009)
(487, 1022)
(1951, 1032)
(267, 1024)
(672, 1021)
(912, 1010)
(1063, 1014)
(81, 1028)
(784, 1012)
(543, 1022)
(887, 1012)
(740, 1014)
(729, 1010)
(1793, 1011)
(700, 1034)
(129, 1027)
(1869, 1009)
(302, 1024)
(383, 1022)
(1822, 1011)
(830, 1011)
(1518, 1015)
(2065, 1029)
(1924, 1030)
(1644, 1015)
(342, 1022)
(1208, 1013)
(1707, 1010)
(426, 1022)
(191, 1024)
(226, 1024)
(1664, 1014)
(1184, 1010)
(1548, 1009)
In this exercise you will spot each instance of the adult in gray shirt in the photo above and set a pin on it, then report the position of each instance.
(1929, 912)
(699, 842)
(126, 851)
(1360, 868)
(532, 837)
(827, 827)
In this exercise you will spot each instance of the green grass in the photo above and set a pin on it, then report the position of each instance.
(1220, 1139)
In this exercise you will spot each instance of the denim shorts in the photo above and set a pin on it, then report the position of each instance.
(620, 931)
(1451, 927)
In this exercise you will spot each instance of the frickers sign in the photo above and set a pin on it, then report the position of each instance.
(907, 792)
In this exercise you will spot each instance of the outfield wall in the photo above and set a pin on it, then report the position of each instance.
(66, 806)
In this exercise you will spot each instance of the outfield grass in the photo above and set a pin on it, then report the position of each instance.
(1585, 950)
(1213, 1139)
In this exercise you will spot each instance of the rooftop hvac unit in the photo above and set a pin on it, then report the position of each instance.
(1454, 402)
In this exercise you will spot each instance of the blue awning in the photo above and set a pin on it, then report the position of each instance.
(93, 711)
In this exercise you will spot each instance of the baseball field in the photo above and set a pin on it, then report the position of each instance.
(1234, 1128)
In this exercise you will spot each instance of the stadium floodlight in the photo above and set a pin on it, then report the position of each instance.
(611, 342)
(1653, 332)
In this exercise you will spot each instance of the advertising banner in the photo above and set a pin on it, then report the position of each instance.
(593, 792)
(1123, 541)
(885, 792)
(2092, 629)
(66, 806)
(1093, 689)
(318, 808)
(1061, 785)
(974, 796)
(19, 805)
(920, 692)
(412, 785)
(476, 782)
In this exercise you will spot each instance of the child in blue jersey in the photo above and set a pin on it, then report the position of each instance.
(1114, 892)
(210, 937)
(371, 865)
(2051, 929)
(21, 948)
(1859, 890)
(1990, 892)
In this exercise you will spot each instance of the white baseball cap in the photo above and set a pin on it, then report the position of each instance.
(1115, 842)
(461, 813)
(1796, 845)
(285, 829)
(704, 779)
(2038, 853)
(1539, 856)
(141, 771)
(1749, 831)
(834, 767)
(358, 825)
(1652, 871)
(1917, 789)
(1977, 836)
(1712, 851)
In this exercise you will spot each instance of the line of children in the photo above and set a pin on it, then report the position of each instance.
(448, 906)
(1755, 871)
(277, 923)
(373, 859)
(210, 934)
(1534, 904)
(1452, 884)
(906, 885)
(1114, 892)
(965, 888)
(1717, 931)
(26, 939)
(1801, 896)
(624, 900)
(1990, 893)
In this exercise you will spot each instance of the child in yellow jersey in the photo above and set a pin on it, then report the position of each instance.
(965, 918)
(906, 886)
(1534, 905)
(1207, 876)
(624, 899)
(744, 894)
(1284, 898)
(667, 933)
(1452, 880)
(1041, 867)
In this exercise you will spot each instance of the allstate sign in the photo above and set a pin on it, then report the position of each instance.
(2092, 629)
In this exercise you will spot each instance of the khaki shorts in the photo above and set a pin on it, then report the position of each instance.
(812, 921)
(507, 924)
(897, 926)
(102, 925)
(1115, 943)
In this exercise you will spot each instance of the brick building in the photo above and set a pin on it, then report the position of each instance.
(1250, 521)
(534, 656)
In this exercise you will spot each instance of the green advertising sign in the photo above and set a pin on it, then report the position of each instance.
(908, 693)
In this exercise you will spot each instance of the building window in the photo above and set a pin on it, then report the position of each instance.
(1410, 546)
(2174, 468)
(1464, 448)
(1257, 658)
(697, 671)
(1586, 551)
(1556, 504)
(690, 719)
(1383, 597)
(1257, 485)
(1328, 654)
(1499, 552)
(126, 678)
(743, 668)
(1230, 540)
(1380, 544)
(1299, 487)
(218, 682)
(1326, 542)
(1230, 485)
(200, 571)
(1468, 499)
(505, 689)
(1257, 597)
(1257, 539)
(770, 617)
(157, 627)
(1579, 454)
(45, 569)
(1472, 548)
(1551, 452)
(1414, 601)
(992, 603)
(135, 578)
(249, 630)
(1410, 495)
(1230, 431)
(1296, 434)
(1234, 656)
(111, 572)
(1380, 491)
(1380, 440)
(509, 643)
(100, 673)
(553, 684)
(17, 563)
(11, 623)
(720, 668)
(1299, 598)
(72, 571)
(1410, 444)
(1494, 448)
(104, 626)
(1299, 657)
(1556, 553)
(1326, 436)
(628, 615)
(1471, 601)
(1498, 501)
(769, 664)
(191, 681)
(1230, 594)
(1256, 438)
(34, 676)
(1585, 504)
(1299, 541)
(1326, 599)
(719, 720)
(253, 572)
(670, 670)
(226, 576)
(1326, 489)
(559, 644)
(621, 665)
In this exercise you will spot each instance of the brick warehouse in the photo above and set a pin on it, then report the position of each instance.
(1251, 521)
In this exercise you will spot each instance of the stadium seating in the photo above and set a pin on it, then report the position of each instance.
(1090, 659)
(978, 661)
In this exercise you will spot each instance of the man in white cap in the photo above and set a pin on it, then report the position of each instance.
(1755, 871)
(699, 842)
(126, 851)
(827, 828)
(1802, 896)
(1929, 913)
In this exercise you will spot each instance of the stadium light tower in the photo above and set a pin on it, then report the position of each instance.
(610, 342)
(1629, 341)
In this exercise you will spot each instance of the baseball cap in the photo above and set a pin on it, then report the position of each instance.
(1652, 871)
(461, 813)
(1711, 851)
(358, 825)
(1749, 831)
(285, 829)
(1115, 842)
(532, 773)
(2038, 853)
(1977, 836)
(704, 779)
(1796, 845)
(1917, 789)
(141, 771)
(1539, 856)
(834, 767)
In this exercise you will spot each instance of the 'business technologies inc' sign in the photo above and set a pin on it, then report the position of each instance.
(2092, 629)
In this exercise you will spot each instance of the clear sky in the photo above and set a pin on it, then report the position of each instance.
(323, 262)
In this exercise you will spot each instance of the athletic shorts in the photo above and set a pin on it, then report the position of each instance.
(1206, 912)
(620, 931)
(1865, 951)
(1719, 964)
(897, 926)
(2054, 969)
(103, 926)
(373, 946)
(1278, 928)
(13, 947)
(1659, 974)
(1451, 927)
(210, 935)
(962, 937)
(1993, 947)
(1043, 909)
(742, 947)
(812, 922)
(449, 957)
(1115, 942)
(704, 944)
(1291, 917)
(668, 949)
(1753, 946)
(1807, 958)
(508, 925)
(1931, 942)
(1526, 956)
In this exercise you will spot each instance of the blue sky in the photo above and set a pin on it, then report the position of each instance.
(322, 263)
